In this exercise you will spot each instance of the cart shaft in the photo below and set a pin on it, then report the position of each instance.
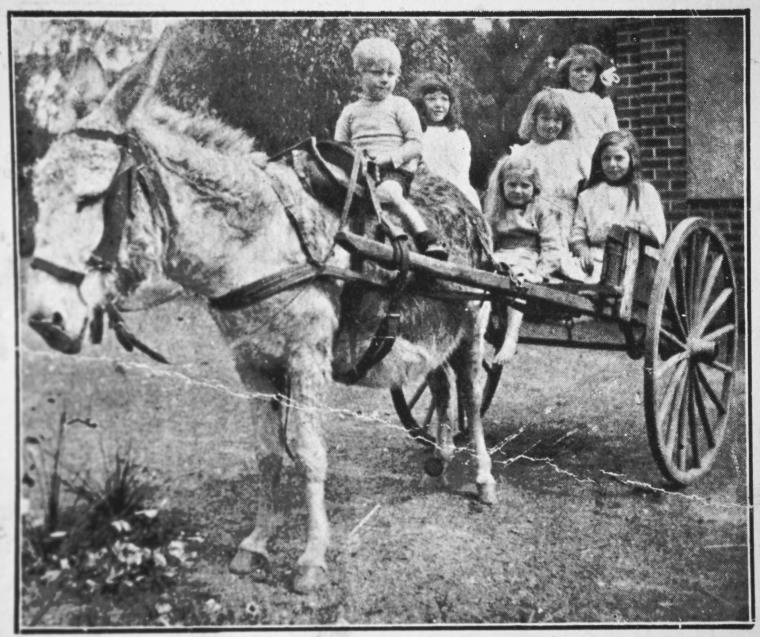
(465, 275)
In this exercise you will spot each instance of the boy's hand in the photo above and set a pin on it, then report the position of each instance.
(381, 159)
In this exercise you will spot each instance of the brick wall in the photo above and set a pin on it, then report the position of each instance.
(651, 102)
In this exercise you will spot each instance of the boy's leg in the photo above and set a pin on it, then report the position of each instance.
(390, 192)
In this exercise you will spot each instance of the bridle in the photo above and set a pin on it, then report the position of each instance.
(104, 257)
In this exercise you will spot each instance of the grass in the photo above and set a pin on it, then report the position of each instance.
(566, 543)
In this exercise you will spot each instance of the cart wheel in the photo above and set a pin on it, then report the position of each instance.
(417, 413)
(690, 351)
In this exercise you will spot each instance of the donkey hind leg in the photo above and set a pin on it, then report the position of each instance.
(252, 557)
(469, 373)
(440, 382)
(309, 376)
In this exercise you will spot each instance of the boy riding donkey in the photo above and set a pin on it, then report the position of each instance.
(387, 128)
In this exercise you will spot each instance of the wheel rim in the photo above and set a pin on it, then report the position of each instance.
(690, 351)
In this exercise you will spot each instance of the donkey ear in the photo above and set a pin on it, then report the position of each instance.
(133, 89)
(86, 83)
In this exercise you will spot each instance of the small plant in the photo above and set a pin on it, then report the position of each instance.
(104, 539)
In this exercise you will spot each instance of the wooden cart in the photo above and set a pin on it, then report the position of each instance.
(677, 307)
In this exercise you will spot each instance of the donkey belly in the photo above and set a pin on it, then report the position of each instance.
(429, 331)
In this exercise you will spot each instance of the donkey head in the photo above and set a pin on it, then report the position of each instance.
(74, 185)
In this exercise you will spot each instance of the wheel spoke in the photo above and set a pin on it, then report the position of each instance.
(714, 309)
(700, 267)
(429, 414)
(680, 274)
(709, 284)
(722, 409)
(671, 362)
(682, 425)
(672, 338)
(713, 336)
(693, 432)
(693, 267)
(700, 402)
(672, 299)
(418, 394)
(672, 388)
(666, 411)
(720, 366)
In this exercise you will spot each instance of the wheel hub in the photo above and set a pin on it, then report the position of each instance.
(702, 350)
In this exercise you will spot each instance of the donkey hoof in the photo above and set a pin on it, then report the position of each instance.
(249, 563)
(462, 438)
(309, 579)
(433, 467)
(487, 493)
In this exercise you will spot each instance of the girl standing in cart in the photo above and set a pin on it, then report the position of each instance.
(615, 194)
(446, 147)
(547, 123)
(525, 232)
(583, 79)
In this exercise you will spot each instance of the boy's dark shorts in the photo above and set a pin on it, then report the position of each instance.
(403, 177)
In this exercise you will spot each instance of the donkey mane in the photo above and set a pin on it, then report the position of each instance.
(216, 160)
(205, 130)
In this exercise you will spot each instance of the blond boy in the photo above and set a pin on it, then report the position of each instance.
(388, 128)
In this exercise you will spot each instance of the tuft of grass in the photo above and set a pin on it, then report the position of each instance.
(103, 538)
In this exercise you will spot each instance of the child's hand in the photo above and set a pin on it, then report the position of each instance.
(585, 259)
(381, 159)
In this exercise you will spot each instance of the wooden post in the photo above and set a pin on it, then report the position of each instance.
(629, 275)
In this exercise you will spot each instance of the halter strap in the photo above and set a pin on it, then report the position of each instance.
(120, 139)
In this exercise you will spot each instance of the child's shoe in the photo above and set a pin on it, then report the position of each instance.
(427, 244)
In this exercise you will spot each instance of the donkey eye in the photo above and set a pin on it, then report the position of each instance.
(88, 200)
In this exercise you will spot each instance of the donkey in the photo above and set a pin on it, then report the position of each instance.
(212, 215)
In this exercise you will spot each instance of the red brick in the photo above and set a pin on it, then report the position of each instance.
(653, 142)
(653, 56)
(656, 98)
(679, 151)
(656, 78)
(669, 43)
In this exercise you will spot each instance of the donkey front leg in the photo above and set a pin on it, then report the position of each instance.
(252, 557)
(310, 368)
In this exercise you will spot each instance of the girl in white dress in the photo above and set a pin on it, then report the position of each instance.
(583, 81)
(616, 194)
(446, 147)
(547, 123)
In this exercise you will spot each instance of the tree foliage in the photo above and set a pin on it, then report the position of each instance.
(285, 79)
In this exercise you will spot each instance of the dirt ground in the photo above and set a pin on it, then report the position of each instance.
(584, 531)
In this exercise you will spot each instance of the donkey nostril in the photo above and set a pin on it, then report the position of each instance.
(57, 319)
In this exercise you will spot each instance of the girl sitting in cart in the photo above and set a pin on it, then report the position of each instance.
(614, 194)
(525, 232)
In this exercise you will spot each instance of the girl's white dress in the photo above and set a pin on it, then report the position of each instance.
(560, 169)
(593, 116)
(604, 205)
(447, 154)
